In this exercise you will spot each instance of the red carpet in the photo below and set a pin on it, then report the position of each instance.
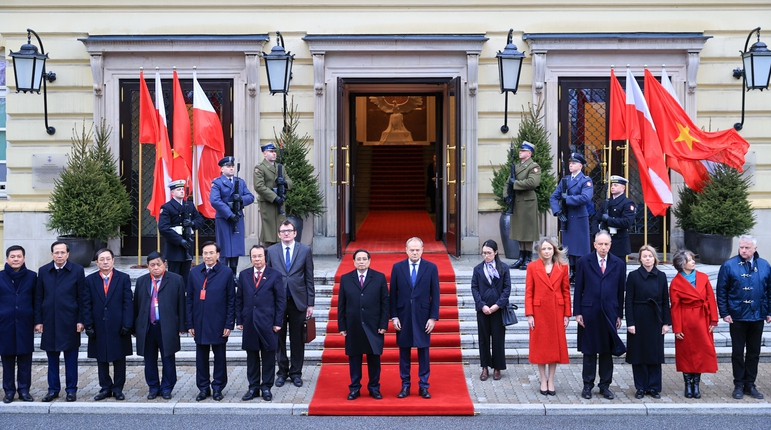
(449, 394)
(388, 231)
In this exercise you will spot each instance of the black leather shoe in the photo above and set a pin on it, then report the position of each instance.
(102, 395)
(586, 393)
(71, 397)
(403, 393)
(655, 394)
(607, 393)
(424, 393)
(152, 395)
(353, 395)
(166, 396)
(50, 396)
(249, 395)
(639, 394)
(119, 395)
(9, 398)
(266, 395)
(376, 394)
(202, 395)
(297, 381)
(753, 392)
(26, 397)
(217, 395)
(519, 261)
(280, 381)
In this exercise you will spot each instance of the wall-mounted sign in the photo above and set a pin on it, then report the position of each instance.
(46, 169)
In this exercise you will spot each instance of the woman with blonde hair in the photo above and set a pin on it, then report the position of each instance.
(548, 310)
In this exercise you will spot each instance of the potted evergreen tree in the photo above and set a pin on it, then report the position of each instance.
(88, 202)
(532, 130)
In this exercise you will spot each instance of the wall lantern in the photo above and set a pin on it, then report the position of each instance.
(278, 66)
(509, 67)
(29, 69)
(756, 71)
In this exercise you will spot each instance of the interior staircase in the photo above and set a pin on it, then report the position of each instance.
(398, 178)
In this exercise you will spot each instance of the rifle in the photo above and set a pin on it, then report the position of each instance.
(563, 217)
(513, 177)
(280, 181)
(187, 224)
(236, 204)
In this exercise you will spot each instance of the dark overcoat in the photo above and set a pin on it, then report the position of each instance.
(620, 212)
(265, 175)
(171, 307)
(231, 244)
(172, 215)
(299, 277)
(107, 314)
(599, 298)
(17, 311)
(361, 311)
(414, 306)
(260, 306)
(524, 218)
(486, 293)
(744, 289)
(575, 233)
(217, 312)
(647, 309)
(59, 305)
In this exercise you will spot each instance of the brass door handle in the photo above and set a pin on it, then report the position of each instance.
(463, 165)
(347, 165)
(448, 164)
(332, 165)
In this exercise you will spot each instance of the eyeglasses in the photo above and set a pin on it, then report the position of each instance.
(285, 231)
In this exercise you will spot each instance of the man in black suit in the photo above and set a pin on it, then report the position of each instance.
(415, 310)
(58, 316)
(260, 303)
(178, 220)
(159, 312)
(211, 311)
(108, 315)
(362, 317)
(295, 262)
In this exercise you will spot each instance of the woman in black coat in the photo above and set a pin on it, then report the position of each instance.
(647, 321)
(491, 286)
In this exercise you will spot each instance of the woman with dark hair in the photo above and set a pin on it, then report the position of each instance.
(491, 286)
(647, 321)
(694, 318)
(548, 311)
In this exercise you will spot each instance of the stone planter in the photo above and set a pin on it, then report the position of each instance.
(510, 246)
(691, 240)
(81, 249)
(713, 248)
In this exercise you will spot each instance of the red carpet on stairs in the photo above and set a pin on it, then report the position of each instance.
(449, 394)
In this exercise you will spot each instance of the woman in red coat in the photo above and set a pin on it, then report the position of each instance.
(547, 307)
(694, 317)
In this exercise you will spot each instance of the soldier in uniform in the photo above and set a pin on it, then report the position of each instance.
(178, 219)
(616, 215)
(524, 216)
(229, 226)
(575, 191)
(265, 175)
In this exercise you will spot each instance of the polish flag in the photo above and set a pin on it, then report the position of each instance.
(162, 174)
(210, 148)
(148, 119)
(617, 127)
(182, 152)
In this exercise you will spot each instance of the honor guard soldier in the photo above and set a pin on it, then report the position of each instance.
(520, 193)
(616, 215)
(229, 195)
(271, 214)
(177, 223)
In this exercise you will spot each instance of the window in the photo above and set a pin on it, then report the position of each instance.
(3, 143)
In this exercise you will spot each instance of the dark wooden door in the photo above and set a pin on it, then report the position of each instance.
(453, 173)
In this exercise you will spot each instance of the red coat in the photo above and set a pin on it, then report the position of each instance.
(547, 299)
(693, 311)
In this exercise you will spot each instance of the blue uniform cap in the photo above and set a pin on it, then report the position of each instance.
(227, 161)
(578, 158)
(269, 147)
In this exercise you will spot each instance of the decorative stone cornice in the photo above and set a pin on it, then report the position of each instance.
(468, 43)
(248, 44)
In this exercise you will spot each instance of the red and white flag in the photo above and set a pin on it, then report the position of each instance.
(162, 174)
(210, 148)
(182, 152)
(617, 126)
(148, 119)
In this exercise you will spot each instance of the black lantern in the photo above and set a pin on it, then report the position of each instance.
(756, 71)
(29, 69)
(278, 65)
(509, 68)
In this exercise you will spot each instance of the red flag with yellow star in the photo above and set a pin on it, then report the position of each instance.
(681, 139)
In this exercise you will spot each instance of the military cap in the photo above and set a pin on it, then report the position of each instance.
(527, 146)
(616, 179)
(227, 161)
(578, 158)
(177, 184)
(269, 147)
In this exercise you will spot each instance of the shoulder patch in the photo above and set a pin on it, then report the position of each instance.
(535, 170)
(161, 211)
(588, 183)
(631, 207)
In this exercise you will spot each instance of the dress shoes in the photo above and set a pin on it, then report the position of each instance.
(655, 394)
(423, 392)
(496, 375)
(266, 395)
(639, 394)
(297, 381)
(376, 394)
(607, 393)
(484, 375)
(353, 395)
(152, 395)
(202, 395)
(50, 396)
(71, 397)
(586, 393)
(9, 398)
(166, 396)
(249, 395)
(544, 392)
(217, 395)
(26, 397)
(119, 395)
(403, 393)
(551, 392)
(102, 395)
(752, 392)
(280, 381)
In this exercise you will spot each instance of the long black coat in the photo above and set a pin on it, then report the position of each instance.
(17, 311)
(621, 212)
(414, 306)
(362, 311)
(171, 307)
(107, 315)
(59, 305)
(210, 317)
(599, 298)
(487, 294)
(172, 215)
(647, 309)
(260, 309)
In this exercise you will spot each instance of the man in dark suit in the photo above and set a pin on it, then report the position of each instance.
(177, 223)
(211, 311)
(229, 225)
(159, 319)
(616, 215)
(362, 317)
(260, 303)
(415, 310)
(17, 327)
(295, 262)
(598, 307)
(108, 316)
(58, 316)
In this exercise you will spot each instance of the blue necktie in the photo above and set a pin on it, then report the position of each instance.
(288, 259)
(414, 274)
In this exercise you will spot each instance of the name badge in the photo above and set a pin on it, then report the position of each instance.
(203, 295)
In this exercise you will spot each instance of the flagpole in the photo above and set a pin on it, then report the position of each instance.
(664, 226)
(139, 204)
(196, 162)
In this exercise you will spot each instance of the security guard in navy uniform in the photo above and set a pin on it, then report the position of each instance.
(616, 216)
(177, 216)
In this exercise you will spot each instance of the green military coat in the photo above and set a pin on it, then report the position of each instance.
(524, 218)
(264, 183)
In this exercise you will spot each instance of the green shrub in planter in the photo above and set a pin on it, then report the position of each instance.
(723, 206)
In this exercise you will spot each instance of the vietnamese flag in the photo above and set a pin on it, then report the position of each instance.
(182, 152)
(210, 148)
(617, 126)
(657, 191)
(681, 139)
(162, 174)
(148, 126)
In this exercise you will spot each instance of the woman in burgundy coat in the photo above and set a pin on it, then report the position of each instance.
(547, 307)
(694, 318)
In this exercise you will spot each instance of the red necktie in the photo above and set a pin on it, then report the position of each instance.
(602, 265)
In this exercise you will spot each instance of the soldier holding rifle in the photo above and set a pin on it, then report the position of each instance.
(229, 195)
(270, 183)
(177, 224)
(616, 216)
(520, 194)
